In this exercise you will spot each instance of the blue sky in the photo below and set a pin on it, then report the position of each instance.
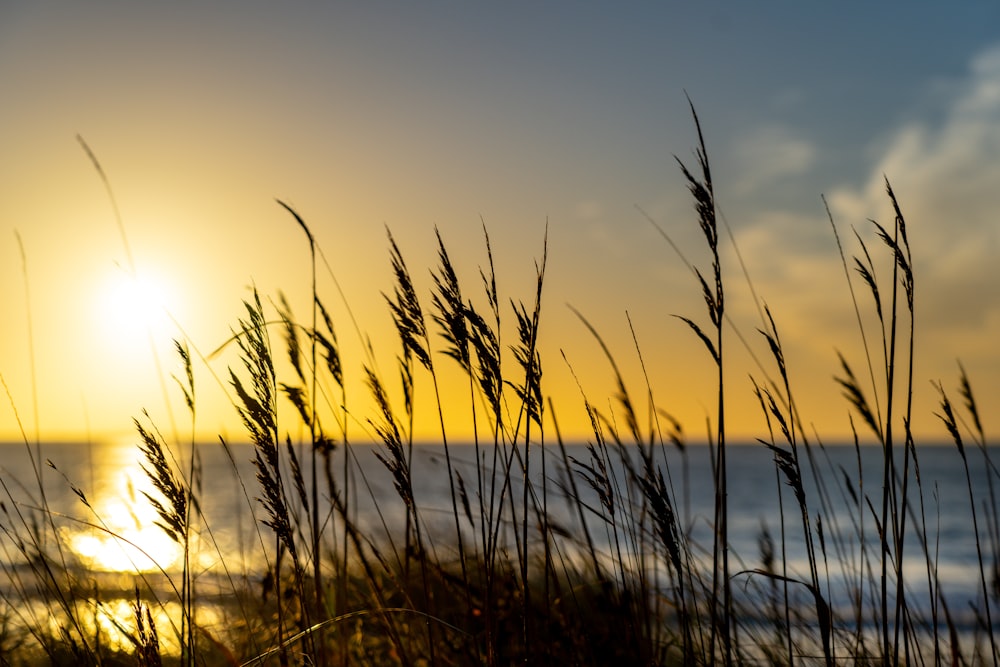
(449, 114)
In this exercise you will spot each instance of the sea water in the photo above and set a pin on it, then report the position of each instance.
(90, 504)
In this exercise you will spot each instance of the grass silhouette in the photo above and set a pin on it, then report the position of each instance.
(618, 577)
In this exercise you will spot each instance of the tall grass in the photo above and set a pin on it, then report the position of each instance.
(550, 554)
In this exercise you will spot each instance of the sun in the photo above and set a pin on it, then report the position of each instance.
(133, 308)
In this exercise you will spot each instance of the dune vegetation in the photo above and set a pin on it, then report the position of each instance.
(507, 582)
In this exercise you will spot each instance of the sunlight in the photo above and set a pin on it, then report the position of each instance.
(131, 541)
(113, 621)
(132, 308)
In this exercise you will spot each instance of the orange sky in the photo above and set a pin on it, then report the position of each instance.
(449, 116)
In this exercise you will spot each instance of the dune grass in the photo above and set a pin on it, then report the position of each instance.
(616, 577)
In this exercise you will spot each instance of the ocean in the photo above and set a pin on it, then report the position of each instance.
(95, 499)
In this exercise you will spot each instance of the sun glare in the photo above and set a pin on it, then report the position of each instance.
(134, 308)
(129, 539)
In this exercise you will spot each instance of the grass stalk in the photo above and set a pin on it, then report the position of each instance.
(596, 558)
(702, 190)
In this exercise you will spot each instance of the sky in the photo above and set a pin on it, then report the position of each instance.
(549, 120)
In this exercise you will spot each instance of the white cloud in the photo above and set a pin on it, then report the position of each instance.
(768, 155)
(945, 170)
(947, 179)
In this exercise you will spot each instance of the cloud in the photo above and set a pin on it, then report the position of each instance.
(768, 155)
(946, 176)
(944, 167)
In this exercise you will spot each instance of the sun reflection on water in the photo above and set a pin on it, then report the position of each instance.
(112, 622)
(128, 539)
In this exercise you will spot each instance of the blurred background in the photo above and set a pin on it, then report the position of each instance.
(521, 118)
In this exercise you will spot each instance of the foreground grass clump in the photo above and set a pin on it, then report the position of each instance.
(547, 554)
